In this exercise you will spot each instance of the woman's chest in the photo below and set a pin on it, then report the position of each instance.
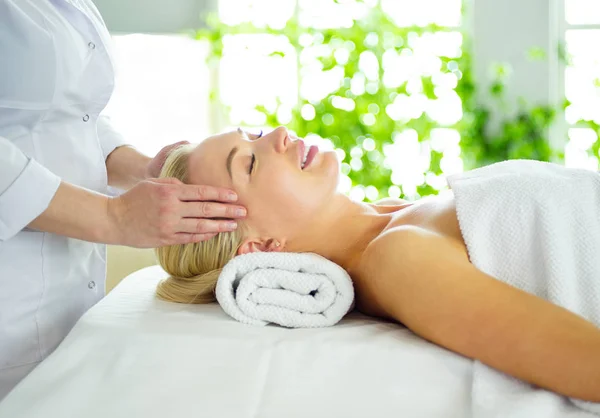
(436, 214)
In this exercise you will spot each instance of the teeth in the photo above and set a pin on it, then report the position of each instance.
(306, 149)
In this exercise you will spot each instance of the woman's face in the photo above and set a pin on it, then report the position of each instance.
(281, 194)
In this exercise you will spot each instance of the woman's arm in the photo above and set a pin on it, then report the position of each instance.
(26, 189)
(152, 213)
(424, 281)
(126, 167)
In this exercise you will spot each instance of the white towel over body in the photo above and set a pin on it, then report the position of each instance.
(295, 290)
(535, 226)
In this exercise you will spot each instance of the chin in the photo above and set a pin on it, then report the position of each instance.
(329, 161)
(331, 167)
(326, 169)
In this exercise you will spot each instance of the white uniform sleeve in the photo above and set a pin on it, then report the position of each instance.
(26, 189)
(109, 137)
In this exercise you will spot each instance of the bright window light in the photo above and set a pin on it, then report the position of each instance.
(582, 12)
(424, 12)
(257, 70)
(161, 92)
(576, 151)
(261, 13)
(325, 14)
(582, 80)
(265, 70)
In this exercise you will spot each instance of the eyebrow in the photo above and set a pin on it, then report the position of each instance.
(229, 159)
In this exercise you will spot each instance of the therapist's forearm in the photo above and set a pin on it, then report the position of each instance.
(126, 166)
(78, 213)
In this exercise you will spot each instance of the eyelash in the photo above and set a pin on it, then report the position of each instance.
(254, 156)
(252, 164)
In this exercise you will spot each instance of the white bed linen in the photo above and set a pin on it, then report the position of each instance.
(132, 355)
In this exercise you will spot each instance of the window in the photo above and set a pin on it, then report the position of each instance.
(582, 81)
(161, 92)
(164, 84)
(265, 69)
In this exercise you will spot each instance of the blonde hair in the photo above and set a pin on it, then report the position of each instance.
(193, 268)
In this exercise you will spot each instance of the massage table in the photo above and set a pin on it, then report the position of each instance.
(133, 355)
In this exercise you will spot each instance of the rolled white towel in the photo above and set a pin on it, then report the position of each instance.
(295, 290)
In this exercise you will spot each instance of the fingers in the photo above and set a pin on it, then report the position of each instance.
(192, 192)
(205, 226)
(211, 210)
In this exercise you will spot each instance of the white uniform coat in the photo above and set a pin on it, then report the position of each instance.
(56, 76)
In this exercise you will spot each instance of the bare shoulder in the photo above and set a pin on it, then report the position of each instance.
(425, 281)
(412, 245)
(401, 254)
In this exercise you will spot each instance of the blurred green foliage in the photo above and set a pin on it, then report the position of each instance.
(522, 135)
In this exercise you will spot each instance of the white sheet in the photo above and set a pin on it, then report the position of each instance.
(132, 355)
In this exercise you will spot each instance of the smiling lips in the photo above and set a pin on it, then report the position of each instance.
(305, 156)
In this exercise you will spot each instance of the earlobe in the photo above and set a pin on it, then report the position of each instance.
(275, 246)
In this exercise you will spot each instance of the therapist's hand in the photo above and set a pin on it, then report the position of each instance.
(160, 212)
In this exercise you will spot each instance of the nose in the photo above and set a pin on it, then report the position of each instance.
(281, 139)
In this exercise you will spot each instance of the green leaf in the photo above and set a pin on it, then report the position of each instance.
(497, 89)
(536, 54)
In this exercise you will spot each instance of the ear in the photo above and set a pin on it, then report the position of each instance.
(254, 245)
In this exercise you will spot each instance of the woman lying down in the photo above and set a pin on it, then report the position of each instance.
(413, 262)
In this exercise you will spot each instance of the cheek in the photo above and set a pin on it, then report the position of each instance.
(279, 203)
(277, 217)
(285, 198)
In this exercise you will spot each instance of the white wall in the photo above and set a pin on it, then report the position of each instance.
(504, 31)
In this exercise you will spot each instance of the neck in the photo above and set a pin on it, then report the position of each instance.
(343, 231)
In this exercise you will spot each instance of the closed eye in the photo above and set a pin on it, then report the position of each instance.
(251, 137)
(253, 155)
(252, 164)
